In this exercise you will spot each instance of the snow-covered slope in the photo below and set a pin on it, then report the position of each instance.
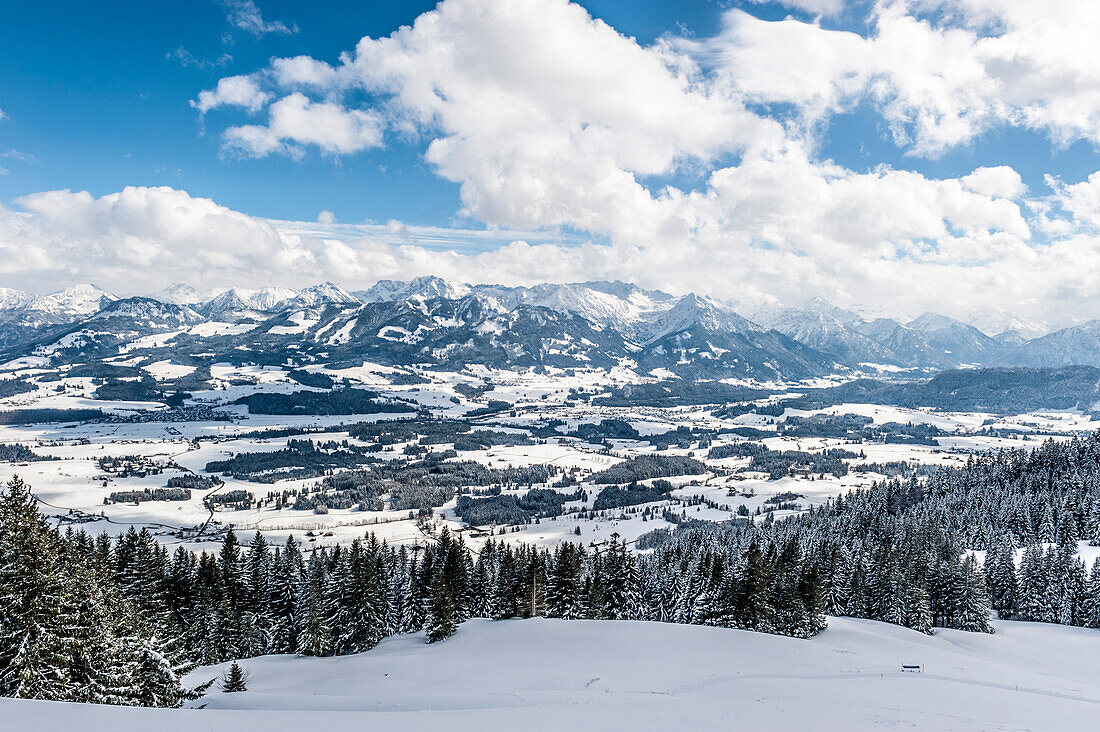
(689, 335)
(554, 675)
(820, 324)
(425, 287)
(958, 342)
(238, 303)
(907, 345)
(75, 301)
(624, 307)
(24, 316)
(1079, 344)
(11, 299)
(619, 305)
(148, 313)
(325, 293)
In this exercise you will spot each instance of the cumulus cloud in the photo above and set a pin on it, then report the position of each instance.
(140, 239)
(535, 94)
(764, 230)
(232, 91)
(1000, 181)
(116, 236)
(295, 120)
(1081, 200)
(303, 71)
(942, 73)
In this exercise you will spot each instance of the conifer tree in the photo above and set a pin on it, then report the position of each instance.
(412, 611)
(158, 681)
(621, 598)
(1092, 604)
(1000, 572)
(565, 593)
(234, 680)
(1032, 584)
(504, 601)
(36, 630)
(973, 612)
(311, 615)
(442, 615)
(285, 584)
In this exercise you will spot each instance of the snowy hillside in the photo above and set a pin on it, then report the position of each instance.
(72, 301)
(553, 675)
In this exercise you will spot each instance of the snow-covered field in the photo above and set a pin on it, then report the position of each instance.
(74, 480)
(556, 675)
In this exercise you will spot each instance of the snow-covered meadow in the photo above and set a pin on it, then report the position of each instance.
(552, 675)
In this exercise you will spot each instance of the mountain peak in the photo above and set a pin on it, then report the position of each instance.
(322, 294)
(150, 310)
(425, 286)
(928, 321)
(11, 299)
(82, 299)
(692, 310)
(239, 302)
(820, 306)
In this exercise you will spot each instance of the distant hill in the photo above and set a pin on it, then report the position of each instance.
(997, 390)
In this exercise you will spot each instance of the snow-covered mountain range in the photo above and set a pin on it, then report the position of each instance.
(433, 321)
(22, 314)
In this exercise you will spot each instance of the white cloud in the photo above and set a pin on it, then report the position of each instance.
(244, 14)
(772, 227)
(942, 73)
(303, 71)
(999, 182)
(232, 91)
(543, 114)
(326, 217)
(139, 240)
(144, 238)
(295, 120)
(1081, 200)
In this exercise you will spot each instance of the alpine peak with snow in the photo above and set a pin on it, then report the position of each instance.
(547, 364)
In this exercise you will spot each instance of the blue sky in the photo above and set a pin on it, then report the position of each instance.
(94, 93)
(746, 149)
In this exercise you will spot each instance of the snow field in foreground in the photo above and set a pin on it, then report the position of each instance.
(552, 675)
